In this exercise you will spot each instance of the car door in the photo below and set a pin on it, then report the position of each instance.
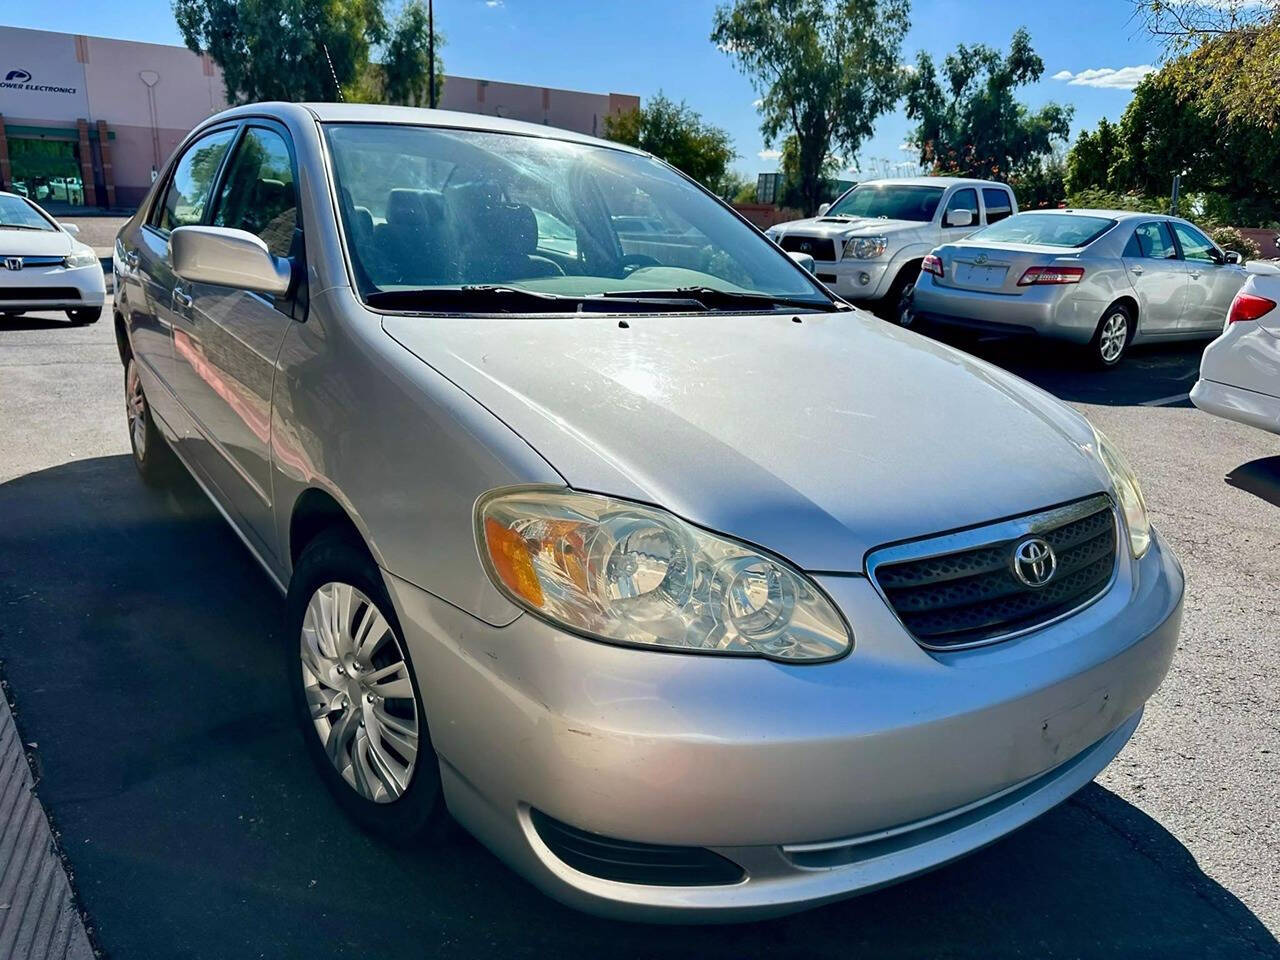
(1158, 277)
(182, 200)
(226, 340)
(953, 227)
(1213, 281)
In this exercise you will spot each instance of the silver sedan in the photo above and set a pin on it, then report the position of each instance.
(638, 553)
(1103, 279)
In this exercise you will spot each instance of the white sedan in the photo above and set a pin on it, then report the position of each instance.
(1240, 371)
(43, 266)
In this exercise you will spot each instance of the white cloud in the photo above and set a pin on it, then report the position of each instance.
(758, 103)
(493, 4)
(769, 154)
(1108, 78)
(907, 147)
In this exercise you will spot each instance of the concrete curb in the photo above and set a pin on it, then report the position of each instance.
(38, 916)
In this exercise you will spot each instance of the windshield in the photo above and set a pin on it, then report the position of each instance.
(17, 213)
(432, 209)
(889, 201)
(1046, 229)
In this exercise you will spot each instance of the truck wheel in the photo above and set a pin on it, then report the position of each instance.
(898, 302)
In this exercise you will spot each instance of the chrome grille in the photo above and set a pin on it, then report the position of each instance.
(960, 590)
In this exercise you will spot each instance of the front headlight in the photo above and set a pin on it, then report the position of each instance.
(636, 575)
(1125, 485)
(865, 248)
(84, 257)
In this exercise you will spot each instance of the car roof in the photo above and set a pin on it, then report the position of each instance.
(417, 116)
(933, 182)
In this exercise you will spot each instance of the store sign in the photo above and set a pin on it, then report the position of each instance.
(20, 79)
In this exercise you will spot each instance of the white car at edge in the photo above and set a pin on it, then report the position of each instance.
(868, 245)
(1240, 371)
(43, 266)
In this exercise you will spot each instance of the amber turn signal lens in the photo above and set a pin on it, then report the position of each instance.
(511, 561)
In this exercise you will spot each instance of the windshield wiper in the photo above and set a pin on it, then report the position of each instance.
(19, 226)
(713, 298)
(498, 298)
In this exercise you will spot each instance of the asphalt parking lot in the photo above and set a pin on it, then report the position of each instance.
(141, 647)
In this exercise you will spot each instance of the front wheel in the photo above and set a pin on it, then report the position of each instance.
(151, 453)
(1111, 340)
(356, 696)
(84, 315)
(899, 303)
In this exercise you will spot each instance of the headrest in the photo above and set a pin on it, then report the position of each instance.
(492, 222)
(406, 208)
(273, 194)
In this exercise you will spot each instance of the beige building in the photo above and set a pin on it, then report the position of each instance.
(85, 120)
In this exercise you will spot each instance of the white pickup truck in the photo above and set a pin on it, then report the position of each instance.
(867, 246)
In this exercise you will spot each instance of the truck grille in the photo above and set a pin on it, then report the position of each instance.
(964, 589)
(816, 247)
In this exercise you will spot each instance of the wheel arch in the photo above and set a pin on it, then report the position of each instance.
(122, 335)
(317, 511)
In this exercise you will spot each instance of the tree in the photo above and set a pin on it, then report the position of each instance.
(967, 120)
(676, 133)
(826, 71)
(1092, 157)
(407, 59)
(290, 50)
(1224, 53)
(1042, 183)
(791, 190)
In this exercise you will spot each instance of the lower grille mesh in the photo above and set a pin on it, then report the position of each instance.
(972, 595)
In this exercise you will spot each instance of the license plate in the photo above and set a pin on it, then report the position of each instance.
(985, 275)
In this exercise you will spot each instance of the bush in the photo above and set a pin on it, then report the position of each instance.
(1229, 238)
(1097, 198)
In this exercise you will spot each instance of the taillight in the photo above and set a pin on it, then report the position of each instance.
(1247, 306)
(932, 264)
(1038, 275)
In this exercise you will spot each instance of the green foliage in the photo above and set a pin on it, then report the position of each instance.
(746, 193)
(1232, 168)
(1229, 238)
(406, 61)
(1100, 198)
(283, 49)
(678, 134)
(825, 69)
(1041, 183)
(967, 120)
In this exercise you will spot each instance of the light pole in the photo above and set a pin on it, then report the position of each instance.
(431, 54)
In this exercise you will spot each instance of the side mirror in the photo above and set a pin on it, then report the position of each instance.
(1233, 257)
(804, 259)
(959, 218)
(823, 208)
(228, 258)
(70, 228)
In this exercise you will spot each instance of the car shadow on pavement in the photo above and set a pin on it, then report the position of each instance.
(143, 648)
(1150, 373)
(1260, 477)
(28, 322)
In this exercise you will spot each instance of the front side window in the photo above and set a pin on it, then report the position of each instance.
(1195, 245)
(431, 209)
(1046, 229)
(187, 195)
(966, 199)
(258, 193)
(17, 214)
(889, 201)
(998, 203)
(1152, 241)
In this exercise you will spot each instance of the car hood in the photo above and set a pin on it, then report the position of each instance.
(846, 226)
(817, 439)
(34, 243)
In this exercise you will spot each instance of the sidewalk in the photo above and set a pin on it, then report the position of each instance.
(38, 920)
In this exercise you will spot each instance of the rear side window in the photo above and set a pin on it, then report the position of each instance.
(258, 193)
(999, 204)
(1152, 241)
(966, 199)
(187, 195)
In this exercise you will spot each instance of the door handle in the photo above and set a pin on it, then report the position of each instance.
(131, 258)
(1194, 276)
(182, 298)
(1137, 270)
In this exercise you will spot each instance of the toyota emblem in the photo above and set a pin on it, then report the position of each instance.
(1034, 562)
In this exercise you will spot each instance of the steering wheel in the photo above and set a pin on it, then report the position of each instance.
(632, 262)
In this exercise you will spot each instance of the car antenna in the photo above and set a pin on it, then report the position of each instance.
(332, 73)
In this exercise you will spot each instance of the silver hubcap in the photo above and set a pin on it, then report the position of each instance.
(904, 305)
(135, 408)
(359, 692)
(1114, 333)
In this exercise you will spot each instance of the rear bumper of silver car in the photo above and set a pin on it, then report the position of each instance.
(1047, 311)
(818, 782)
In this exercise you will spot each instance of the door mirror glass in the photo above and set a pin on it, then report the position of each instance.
(226, 257)
(804, 259)
(823, 208)
(959, 218)
(70, 228)
(1233, 257)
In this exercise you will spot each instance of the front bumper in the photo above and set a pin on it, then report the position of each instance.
(856, 279)
(52, 288)
(820, 781)
(1050, 310)
(1236, 403)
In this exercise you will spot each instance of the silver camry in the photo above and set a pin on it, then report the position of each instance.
(637, 552)
(1101, 279)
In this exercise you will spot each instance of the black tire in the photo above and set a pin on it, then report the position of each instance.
(155, 460)
(419, 813)
(896, 307)
(84, 316)
(1101, 352)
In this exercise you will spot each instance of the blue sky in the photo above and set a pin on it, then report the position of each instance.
(1091, 47)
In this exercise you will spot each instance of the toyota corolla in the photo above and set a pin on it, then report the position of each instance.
(691, 591)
